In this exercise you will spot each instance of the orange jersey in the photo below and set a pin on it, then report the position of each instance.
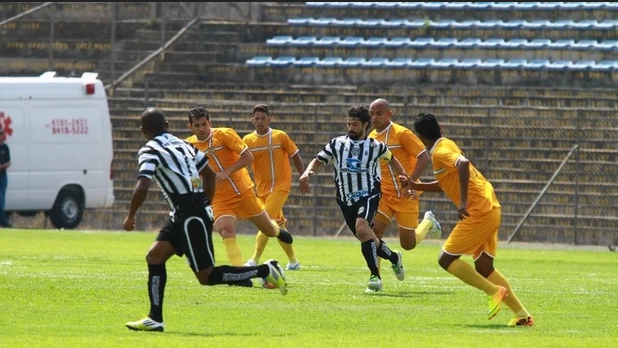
(223, 148)
(405, 146)
(481, 196)
(271, 167)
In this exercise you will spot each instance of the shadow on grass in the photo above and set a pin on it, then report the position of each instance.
(221, 334)
(493, 326)
(408, 294)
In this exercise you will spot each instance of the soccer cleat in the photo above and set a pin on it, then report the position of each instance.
(435, 230)
(375, 284)
(250, 263)
(528, 321)
(495, 301)
(398, 267)
(293, 266)
(145, 324)
(276, 276)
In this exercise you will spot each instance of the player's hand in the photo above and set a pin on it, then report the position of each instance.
(304, 181)
(221, 176)
(461, 211)
(405, 181)
(129, 223)
(408, 193)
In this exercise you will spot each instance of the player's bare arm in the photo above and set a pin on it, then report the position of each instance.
(209, 178)
(312, 168)
(246, 157)
(463, 169)
(298, 163)
(137, 199)
(432, 186)
(421, 162)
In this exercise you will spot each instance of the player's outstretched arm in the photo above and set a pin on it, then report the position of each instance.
(312, 168)
(209, 176)
(137, 199)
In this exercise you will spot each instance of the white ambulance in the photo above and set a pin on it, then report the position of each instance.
(59, 134)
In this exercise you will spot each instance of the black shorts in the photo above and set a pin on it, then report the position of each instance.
(366, 208)
(190, 233)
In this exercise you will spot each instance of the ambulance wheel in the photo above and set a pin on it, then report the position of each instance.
(68, 209)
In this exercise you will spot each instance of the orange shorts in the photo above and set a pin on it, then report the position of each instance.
(405, 211)
(245, 205)
(274, 203)
(474, 235)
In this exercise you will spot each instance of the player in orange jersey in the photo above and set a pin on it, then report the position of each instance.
(272, 150)
(228, 156)
(479, 213)
(411, 153)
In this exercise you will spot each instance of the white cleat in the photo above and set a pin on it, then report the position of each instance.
(435, 230)
(295, 266)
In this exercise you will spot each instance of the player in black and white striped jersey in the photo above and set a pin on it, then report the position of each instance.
(357, 177)
(188, 185)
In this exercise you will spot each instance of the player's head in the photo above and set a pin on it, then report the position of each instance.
(427, 128)
(358, 122)
(153, 123)
(199, 122)
(381, 114)
(261, 118)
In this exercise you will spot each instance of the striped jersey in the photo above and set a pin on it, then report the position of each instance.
(176, 166)
(357, 172)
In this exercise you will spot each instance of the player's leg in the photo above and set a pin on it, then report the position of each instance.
(467, 237)
(224, 209)
(226, 226)
(274, 208)
(484, 264)
(381, 221)
(160, 251)
(200, 253)
(253, 209)
(273, 204)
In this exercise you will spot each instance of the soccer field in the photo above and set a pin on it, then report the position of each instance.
(77, 289)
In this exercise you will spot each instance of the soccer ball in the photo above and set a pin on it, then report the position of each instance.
(267, 285)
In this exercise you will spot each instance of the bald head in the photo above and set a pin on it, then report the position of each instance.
(381, 114)
(153, 122)
(380, 102)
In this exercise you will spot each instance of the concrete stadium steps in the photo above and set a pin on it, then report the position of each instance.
(276, 12)
(197, 34)
(79, 10)
(242, 52)
(454, 95)
(85, 30)
(260, 32)
(209, 72)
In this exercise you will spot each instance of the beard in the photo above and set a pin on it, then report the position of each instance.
(354, 136)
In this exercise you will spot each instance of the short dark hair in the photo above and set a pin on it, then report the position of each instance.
(197, 113)
(260, 108)
(153, 121)
(360, 112)
(427, 126)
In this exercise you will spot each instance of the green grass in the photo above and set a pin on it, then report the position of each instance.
(70, 289)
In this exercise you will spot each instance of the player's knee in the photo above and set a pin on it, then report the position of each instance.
(154, 259)
(204, 276)
(484, 270)
(445, 260)
(407, 245)
(227, 233)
